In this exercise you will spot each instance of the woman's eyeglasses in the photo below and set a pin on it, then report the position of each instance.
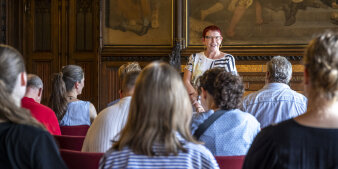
(213, 37)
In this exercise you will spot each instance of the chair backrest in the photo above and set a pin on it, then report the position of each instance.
(69, 142)
(74, 130)
(230, 162)
(80, 160)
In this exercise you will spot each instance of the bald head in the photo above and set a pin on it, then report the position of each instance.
(34, 87)
(34, 81)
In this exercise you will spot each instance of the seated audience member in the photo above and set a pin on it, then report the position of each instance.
(66, 86)
(111, 120)
(308, 141)
(276, 101)
(24, 142)
(32, 100)
(123, 70)
(157, 133)
(231, 131)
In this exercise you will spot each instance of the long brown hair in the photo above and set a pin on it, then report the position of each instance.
(11, 65)
(62, 83)
(160, 108)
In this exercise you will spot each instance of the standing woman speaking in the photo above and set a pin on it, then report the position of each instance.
(209, 58)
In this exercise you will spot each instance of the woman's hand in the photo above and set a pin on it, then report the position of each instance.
(199, 108)
(193, 97)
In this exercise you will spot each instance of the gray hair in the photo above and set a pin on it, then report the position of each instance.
(280, 70)
(34, 81)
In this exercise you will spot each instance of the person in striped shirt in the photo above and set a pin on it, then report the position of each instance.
(157, 132)
(200, 62)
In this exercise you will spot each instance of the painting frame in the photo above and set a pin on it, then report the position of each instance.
(243, 49)
(136, 41)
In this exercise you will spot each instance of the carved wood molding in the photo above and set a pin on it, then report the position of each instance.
(297, 77)
(134, 58)
(184, 59)
(265, 58)
(3, 21)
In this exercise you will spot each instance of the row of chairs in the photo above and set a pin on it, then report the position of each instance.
(71, 141)
(80, 130)
(82, 160)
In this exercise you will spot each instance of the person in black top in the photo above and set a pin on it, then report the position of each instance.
(24, 143)
(308, 141)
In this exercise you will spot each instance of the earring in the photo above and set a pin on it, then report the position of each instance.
(220, 46)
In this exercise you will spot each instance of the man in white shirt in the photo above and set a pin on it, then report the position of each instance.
(110, 121)
(276, 101)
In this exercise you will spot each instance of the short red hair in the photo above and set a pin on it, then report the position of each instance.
(211, 28)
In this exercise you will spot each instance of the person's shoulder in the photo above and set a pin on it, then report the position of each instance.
(45, 108)
(251, 96)
(116, 155)
(282, 128)
(114, 109)
(79, 103)
(27, 131)
(105, 113)
(198, 149)
(299, 95)
(227, 55)
(202, 116)
(199, 53)
(244, 116)
(200, 154)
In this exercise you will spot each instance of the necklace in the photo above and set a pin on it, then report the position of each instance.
(71, 97)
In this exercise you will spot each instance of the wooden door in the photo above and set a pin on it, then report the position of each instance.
(83, 43)
(61, 32)
(42, 40)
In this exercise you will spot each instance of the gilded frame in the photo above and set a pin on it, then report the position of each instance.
(242, 45)
(135, 33)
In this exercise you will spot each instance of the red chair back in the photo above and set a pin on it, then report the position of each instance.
(69, 142)
(81, 160)
(74, 130)
(230, 162)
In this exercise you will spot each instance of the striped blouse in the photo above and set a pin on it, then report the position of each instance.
(198, 63)
(196, 157)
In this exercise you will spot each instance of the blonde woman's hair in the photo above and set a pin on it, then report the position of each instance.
(321, 61)
(128, 67)
(160, 109)
(11, 65)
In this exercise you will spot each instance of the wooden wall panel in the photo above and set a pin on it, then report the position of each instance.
(253, 76)
(254, 81)
(89, 92)
(83, 44)
(11, 18)
(44, 70)
(109, 83)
